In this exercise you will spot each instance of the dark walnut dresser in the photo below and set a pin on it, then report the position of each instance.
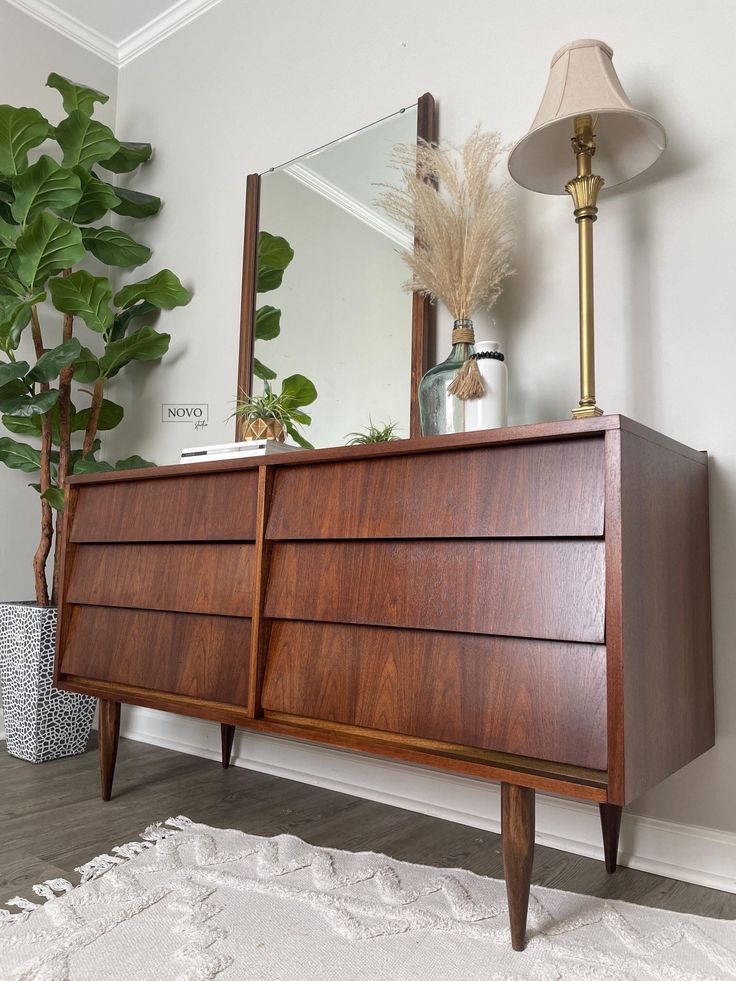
(530, 605)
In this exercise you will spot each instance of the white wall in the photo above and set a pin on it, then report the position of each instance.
(247, 86)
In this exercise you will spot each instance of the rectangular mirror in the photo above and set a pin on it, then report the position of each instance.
(323, 282)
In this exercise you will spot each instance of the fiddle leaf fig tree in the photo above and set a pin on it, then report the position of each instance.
(56, 195)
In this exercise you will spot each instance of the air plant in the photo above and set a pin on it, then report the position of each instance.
(383, 433)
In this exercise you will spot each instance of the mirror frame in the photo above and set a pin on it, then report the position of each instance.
(422, 312)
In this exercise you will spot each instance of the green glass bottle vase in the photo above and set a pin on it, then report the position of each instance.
(440, 412)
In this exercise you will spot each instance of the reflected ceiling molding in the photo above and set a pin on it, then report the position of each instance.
(326, 189)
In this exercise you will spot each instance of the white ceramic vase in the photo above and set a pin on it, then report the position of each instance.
(490, 410)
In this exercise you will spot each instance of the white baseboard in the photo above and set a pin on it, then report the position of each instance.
(692, 854)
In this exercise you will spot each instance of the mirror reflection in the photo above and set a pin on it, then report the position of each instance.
(330, 302)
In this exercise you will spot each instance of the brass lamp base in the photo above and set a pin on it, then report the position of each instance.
(586, 411)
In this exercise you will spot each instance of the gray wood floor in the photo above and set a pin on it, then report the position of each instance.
(52, 819)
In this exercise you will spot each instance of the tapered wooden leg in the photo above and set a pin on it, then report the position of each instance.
(227, 734)
(517, 842)
(107, 735)
(611, 825)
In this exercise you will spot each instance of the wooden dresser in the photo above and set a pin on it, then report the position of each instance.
(529, 605)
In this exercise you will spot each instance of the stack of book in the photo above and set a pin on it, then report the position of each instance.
(235, 451)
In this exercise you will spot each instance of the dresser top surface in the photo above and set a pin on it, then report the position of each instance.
(536, 432)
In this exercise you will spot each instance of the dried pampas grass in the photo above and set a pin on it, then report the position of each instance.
(461, 224)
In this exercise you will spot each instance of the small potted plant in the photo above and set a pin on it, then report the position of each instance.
(53, 206)
(383, 433)
(272, 416)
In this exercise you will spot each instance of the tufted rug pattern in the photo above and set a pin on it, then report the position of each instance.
(190, 902)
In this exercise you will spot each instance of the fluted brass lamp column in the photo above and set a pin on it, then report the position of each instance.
(586, 119)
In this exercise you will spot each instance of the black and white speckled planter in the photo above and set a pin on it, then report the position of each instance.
(41, 722)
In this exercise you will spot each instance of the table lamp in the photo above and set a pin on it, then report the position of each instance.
(585, 105)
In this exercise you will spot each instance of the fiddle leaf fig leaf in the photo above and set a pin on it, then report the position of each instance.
(97, 198)
(128, 157)
(298, 390)
(115, 248)
(87, 465)
(20, 130)
(44, 185)
(76, 96)
(55, 497)
(85, 296)
(12, 370)
(145, 344)
(133, 463)
(297, 437)
(86, 367)
(274, 255)
(111, 415)
(50, 364)
(9, 234)
(48, 245)
(125, 318)
(85, 141)
(163, 290)
(19, 456)
(261, 371)
(15, 315)
(135, 204)
(29, 405)
(268, 323)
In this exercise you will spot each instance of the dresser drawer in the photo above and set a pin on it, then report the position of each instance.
(203, 657)
(525, 490)
(529, 698)
(550, 589)
(191, 578)
(195, 507)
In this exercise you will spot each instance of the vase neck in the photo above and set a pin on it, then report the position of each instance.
(462, 332)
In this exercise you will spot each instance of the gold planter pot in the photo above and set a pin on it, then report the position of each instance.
(263, 429)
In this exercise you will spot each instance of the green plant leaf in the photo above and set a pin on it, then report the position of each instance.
(55, 497)
(86, 367)
(261, 371)
(48, 245)
(133, 463)
(298, 390)
(115, 248)
(19, 456)
(164, 290)
(78, 455)
(297, 437)
(88, 465)
(9, 371)
(76, 96)
(84, 141)
(145, 344)
(9, 234)
(85, 296)
(274, 255)
(20, 129)
(301, 417)
(15, 315)
(124, 319)
(51, 362)
(135, 204)
(268, 323)
(10, 286)
(97, 199)
(128, 157)
(45, 185)
(29, 405)
(111, 415)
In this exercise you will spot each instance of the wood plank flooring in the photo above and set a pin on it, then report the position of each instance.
(52, 819)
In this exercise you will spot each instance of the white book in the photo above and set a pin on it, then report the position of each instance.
(235, 451)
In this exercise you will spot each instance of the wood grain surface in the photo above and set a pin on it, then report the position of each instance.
(189, 578)
(532, 698)
(550, 589)
(200, 656)
(532, 490)
(186, 508)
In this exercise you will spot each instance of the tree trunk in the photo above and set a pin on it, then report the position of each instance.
(94, 416)
(65, 438)
(47, 524)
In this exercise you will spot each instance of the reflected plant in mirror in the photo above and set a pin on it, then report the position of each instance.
(462, 224)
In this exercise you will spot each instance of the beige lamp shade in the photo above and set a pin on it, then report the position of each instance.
(582, 81)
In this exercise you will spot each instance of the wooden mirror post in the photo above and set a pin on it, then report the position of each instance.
(422, 317)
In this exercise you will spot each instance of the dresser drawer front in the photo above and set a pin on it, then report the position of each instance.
(199, 507)
(203, 657)
(528, 698)
(552, 589)
(190, 578)
(526, 490)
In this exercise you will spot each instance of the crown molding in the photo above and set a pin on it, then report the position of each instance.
(306, 176)
(50, 15)
(178, 15)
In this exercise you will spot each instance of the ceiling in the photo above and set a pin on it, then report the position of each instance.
(116, 30)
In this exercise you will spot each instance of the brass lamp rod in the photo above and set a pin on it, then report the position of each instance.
(584, 191)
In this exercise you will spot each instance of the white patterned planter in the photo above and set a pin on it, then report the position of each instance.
(41, 722)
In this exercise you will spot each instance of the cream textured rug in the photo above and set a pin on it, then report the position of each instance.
(193, 902)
